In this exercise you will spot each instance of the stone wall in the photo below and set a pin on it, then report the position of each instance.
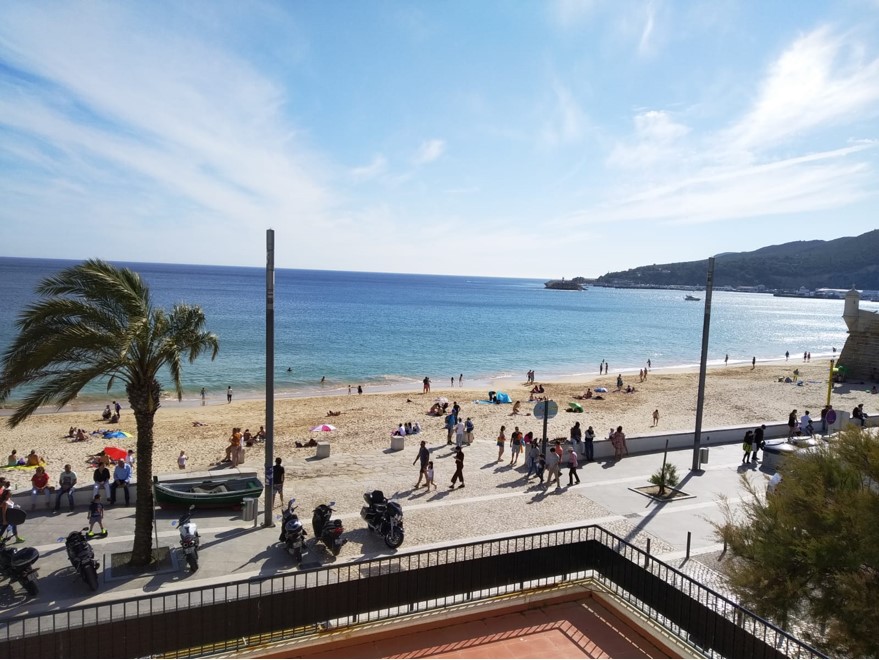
(860, 355)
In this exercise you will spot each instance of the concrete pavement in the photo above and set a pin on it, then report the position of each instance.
(497, 501)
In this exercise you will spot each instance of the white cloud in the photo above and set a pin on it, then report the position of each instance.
(571, 13)
(644, 43)
(824, 78)
(429, 151)
(376, 167)
(655, 139)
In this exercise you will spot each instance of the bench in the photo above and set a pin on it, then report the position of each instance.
(398, 443)
(323, 450)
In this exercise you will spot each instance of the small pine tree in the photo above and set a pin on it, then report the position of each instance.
(665, 477)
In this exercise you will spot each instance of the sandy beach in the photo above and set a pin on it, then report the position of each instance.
(734, 395)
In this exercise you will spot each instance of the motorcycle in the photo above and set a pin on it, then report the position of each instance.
(292, 532)
(329, 532)
(189, 538)
(82, 557)
(18, 565)
(384, 518)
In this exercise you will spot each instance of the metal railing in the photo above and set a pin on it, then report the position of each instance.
(250, 612)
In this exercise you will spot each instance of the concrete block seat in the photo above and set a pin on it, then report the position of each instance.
(398, 443)
(323, 450)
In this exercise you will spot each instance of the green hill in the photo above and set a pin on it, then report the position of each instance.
(835, 264)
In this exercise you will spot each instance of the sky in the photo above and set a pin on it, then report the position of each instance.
(530, 138)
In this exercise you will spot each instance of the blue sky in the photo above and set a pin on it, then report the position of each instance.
(535, 139)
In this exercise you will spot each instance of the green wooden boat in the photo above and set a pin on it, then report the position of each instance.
(207, 493)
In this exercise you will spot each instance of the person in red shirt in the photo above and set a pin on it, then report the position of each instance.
(40, 483)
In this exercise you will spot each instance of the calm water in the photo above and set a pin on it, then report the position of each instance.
(383, 329)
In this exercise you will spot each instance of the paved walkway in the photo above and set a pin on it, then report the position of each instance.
(496, 501)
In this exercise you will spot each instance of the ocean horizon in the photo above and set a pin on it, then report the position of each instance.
(389, 331)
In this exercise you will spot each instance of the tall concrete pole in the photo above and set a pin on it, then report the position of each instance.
(270, 372)
(703, 365)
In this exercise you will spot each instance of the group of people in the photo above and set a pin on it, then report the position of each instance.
(529, 377)
(754, 442)
(237, 442)
(409, 428)
(112, 412)
(33, 459)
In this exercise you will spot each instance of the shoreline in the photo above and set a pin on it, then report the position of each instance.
(499, 383)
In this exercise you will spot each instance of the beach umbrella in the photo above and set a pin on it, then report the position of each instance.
(576, 407)
(115, 453)
(324, 427)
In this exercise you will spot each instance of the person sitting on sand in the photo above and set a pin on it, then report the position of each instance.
(416, 427)
(401, 430)
(13, 458)
(261, 434)
(248, 438)
(516, 407)
(72, 432)
(80, 436)
(106, 414)
(33, 459)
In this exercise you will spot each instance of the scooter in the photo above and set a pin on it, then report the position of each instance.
(82, 557)
(189, 538)
(329, 532)
(18, 565)
(383, 517)
(292, 532)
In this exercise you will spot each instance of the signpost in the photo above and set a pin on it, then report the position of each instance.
(545, 410)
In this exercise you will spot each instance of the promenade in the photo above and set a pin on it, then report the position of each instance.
(496, 501)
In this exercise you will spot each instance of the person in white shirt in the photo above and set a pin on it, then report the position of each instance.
(806, 424)
(459, 433)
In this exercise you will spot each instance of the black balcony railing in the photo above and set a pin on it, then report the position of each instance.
(247, 613)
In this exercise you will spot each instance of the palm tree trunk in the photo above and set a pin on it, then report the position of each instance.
(144, 414)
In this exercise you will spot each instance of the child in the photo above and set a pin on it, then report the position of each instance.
(430, 476)
(96, 515)
(541, 465)
(181, 460)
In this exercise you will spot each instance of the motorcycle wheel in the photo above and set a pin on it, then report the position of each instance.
(335, 550)
(394, 538)
(192, 560)
(30, 585)
(90, 576)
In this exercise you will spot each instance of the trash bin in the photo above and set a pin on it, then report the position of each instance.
(703, 455)
(250, 504)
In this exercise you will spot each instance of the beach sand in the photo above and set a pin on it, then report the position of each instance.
(734, 396)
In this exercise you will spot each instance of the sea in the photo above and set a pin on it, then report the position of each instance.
(388, 331)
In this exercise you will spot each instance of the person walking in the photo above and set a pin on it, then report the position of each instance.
(121, 477)
(425, 390)
(589, 444)
(656, 417)
(501, 441)
(759, 442)
(753, 363)
(726, 360)
(430, 476)
(203, 392)
(96, 515)
(459, 468)
(531, 459)
(791, 423)
(424, 457)
(459, 434)
(66, 482)
(573, 464)
(229, 394)
(278, 475)
(747, 445)
(553, 469)
(515, 446)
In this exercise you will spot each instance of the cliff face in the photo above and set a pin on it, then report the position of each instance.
(836, 264)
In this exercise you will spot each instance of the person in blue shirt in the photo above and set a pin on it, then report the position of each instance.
(121, 477)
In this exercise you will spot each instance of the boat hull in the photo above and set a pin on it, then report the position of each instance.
(207, 494)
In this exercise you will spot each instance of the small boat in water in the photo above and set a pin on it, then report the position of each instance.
(689, 297)
(207, 493)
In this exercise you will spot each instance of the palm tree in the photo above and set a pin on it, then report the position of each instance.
(95, 320)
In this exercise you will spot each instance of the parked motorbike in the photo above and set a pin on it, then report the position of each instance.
(383, 517)
(292, 532)
(189, 538)
(81, 555)
(329, 532)
(17, 564)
